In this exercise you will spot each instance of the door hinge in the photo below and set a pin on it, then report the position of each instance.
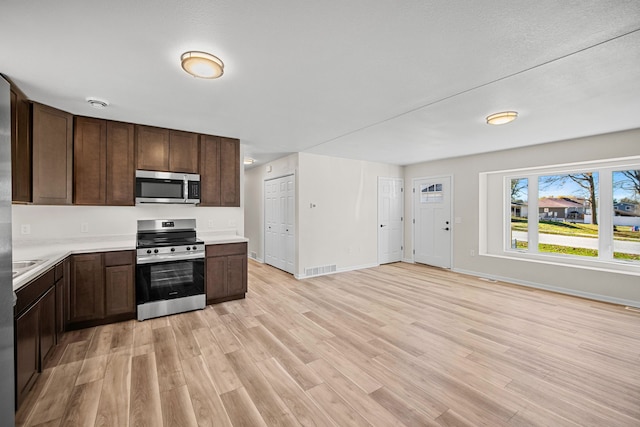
(401, 218)
(414, 220)
(414, 251)
(414, 190)
(402, 190)
(402, 248)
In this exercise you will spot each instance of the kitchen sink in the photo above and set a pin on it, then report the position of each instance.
(21, 267)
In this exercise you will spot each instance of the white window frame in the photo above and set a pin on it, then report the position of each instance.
(604, 260)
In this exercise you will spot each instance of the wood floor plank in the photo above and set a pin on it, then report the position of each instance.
(241, 409)
(55, 397)
(113, 409)
(273, 410)
(145, 408)
(305, 411)
(399, 344)
(207, 406)
(336, 407)
(177, 409)
(83, 405)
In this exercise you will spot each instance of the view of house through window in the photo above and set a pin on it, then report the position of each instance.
(519, 213)
(626, 214)
(569, 213)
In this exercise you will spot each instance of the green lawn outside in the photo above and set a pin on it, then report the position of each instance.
(580, 230)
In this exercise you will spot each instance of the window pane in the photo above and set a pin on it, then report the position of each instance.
(626, 215)
(519, 213)
(568, 214)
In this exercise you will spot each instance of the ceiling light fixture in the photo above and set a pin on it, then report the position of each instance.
(502, 118)
(249, 161)
(202, 64)
(97, 103)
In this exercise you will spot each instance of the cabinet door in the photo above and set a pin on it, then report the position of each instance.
(86, 289)
(52, 138)
(236, 274)
(20, 147)
(229, 172)
(26, 350)
(60, 308)
(120, 165)
(90, 160)
(216, 277)
(119, 290)
(47, 324)
(152, 147)
(183, 152)
(209, 170)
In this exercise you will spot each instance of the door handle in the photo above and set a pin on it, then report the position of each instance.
(381, 225)
(447, 228)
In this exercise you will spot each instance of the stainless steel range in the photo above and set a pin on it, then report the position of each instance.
(169, 268)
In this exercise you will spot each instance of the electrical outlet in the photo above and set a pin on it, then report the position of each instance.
(232, 223)
(472, 252)
(84, 227)
(210, 223)
(25, 229)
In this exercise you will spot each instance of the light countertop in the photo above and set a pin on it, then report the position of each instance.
(51, 252)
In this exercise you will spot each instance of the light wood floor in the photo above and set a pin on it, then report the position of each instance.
(395, 345)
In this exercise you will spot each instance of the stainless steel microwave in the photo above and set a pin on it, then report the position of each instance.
(167, 187)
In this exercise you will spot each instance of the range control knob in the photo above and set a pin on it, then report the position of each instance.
(155, 251)
(194, 248)
(173, 249)
(188, 248)
(148, 251)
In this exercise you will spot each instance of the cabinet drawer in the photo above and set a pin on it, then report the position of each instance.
(29, 293)
(118, 258)
(226, 249)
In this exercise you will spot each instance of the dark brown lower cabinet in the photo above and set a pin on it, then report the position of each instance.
(226, 274)
(101, 289)
(35, 330)
(119, 289)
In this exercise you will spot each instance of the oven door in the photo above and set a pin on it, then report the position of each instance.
(169, 280)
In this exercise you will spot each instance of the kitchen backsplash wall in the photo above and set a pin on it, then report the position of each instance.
(32, 222)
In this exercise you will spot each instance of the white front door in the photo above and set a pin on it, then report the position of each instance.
(279, 227)
(390, 219)
(432, 215)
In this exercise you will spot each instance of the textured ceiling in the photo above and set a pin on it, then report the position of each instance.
(397, 82)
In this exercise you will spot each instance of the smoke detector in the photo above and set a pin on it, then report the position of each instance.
(98, 103)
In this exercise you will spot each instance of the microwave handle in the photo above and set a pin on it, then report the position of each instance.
(185, 191)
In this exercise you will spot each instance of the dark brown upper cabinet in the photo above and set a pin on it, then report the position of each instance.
(103, 162)
(52, 144)
(152, 147)
(183, 152)
(166, 150)
(219, 171)
(20, 146)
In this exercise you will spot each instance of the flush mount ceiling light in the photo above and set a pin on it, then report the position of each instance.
(502, 118)
(249, 161)
(97, 103)
(202, 64)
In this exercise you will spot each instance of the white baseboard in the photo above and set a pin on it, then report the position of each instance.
(560, 290)
(408, 260)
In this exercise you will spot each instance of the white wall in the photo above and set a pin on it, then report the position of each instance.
(254, 200)
(342, 228)
(64, 222)
(465, 170)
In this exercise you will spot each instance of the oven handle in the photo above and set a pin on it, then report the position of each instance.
(154, 259)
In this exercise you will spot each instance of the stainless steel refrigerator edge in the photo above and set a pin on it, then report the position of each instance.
(7, 396)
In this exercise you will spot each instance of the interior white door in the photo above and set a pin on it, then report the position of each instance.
(432, 215)
(279, 226)
(390, 219)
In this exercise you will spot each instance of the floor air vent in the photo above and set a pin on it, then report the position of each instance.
(319, 271)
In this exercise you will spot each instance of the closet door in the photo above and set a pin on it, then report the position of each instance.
(279, 226)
